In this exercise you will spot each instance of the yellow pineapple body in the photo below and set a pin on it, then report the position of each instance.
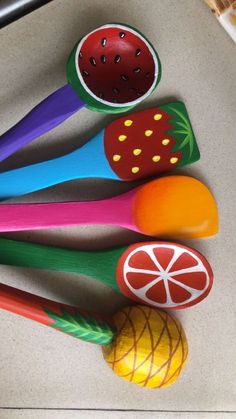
(150, 348)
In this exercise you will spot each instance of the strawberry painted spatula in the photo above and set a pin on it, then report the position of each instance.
(133, 147)
(111, 70)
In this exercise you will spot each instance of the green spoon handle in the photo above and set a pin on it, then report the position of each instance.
(100, 265)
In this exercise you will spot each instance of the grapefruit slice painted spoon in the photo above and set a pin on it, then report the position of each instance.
(141, 344)
(111, 69)
(172, 206)
(133, 147)
(165, 275)
(161, 274)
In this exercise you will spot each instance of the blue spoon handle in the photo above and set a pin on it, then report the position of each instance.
(51, 112)
(87, 161)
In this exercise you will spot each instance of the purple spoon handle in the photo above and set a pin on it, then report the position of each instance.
(51, 112)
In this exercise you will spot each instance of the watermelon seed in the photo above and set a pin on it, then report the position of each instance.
(101, 95)
(117, 59)
(92, 61)
(103, 42)
(80, 55)
(103, 59)
(137, 70)
(124, 77)
(85, 73)
(132, 89)
(138, 52)
(139, 94)
(122, 34)
(115, 100)
(147, 75)
(115, 90)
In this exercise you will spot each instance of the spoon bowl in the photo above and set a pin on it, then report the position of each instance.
(113, 68)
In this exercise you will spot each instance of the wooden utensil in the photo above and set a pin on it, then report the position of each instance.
(143, 345)
(111, 69)
(172, 206)
(161, 274)
(133, 147)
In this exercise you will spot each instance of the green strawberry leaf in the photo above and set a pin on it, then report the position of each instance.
(183, 133)
(85, 328)
(181, 124)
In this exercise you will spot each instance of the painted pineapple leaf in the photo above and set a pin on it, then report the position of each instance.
(85, 328)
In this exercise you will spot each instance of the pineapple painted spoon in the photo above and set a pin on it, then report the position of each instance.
(133, 147)
(112, 69)
(142, 345)
(161, 274)
(173, 206)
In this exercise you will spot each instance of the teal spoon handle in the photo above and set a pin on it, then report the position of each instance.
(99, 265)
(87, 161)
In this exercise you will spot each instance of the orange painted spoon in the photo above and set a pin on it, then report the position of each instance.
(172, 206)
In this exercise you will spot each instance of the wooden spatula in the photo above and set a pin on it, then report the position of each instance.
(133, 147)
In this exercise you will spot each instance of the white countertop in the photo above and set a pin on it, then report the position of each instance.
(44, 369)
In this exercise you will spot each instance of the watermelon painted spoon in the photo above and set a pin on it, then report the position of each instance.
(141, 344)
(172, 206)
(133, 147)
(112, 69)
(161, 274)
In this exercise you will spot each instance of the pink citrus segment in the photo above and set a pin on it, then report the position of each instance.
(166, 275)
(164, 255)
(141, 259)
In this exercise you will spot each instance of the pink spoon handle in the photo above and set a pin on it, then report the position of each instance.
(116, 211)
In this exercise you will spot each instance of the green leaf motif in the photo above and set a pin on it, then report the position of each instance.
(182, 131)
(85, 328)
(188, 139)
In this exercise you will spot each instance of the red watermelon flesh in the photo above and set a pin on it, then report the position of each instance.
(116, 65)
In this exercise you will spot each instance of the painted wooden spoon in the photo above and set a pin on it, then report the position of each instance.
(143, 345)
(172, 206)
(161, 274)
(133, 147)
(111, 69)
